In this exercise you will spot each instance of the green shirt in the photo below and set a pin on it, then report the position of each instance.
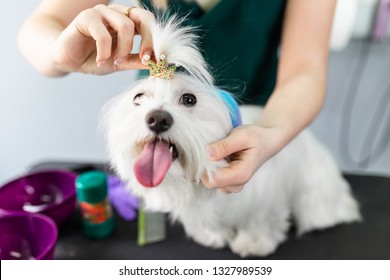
(240, 41)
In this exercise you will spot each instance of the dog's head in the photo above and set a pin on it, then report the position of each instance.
(161, 128)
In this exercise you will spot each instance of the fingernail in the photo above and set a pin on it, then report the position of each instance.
(119, 60)
(145, 58)
(101, 62)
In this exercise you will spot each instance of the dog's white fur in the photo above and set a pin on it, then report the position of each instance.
(301, 182)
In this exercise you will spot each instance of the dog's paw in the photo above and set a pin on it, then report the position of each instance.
(249, 243)
(212, 239)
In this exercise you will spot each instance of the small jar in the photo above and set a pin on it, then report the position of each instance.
(96, 211)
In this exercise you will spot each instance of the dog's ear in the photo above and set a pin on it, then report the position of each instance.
(179, 45)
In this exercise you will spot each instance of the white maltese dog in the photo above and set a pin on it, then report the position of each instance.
(158, 132)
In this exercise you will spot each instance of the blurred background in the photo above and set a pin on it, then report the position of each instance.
(55, 119)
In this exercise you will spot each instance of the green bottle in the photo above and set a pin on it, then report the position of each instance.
(92, 190)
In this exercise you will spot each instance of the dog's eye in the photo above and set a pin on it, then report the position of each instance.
(137, 98)
(188, 99)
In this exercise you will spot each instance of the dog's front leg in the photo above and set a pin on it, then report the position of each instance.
(206, 232)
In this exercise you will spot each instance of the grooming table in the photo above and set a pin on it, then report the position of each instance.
(367, 240)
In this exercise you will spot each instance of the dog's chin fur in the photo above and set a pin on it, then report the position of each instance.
(301, 183)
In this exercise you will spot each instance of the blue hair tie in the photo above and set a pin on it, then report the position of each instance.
(232, 105)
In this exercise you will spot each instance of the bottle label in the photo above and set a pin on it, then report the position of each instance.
(96, 213)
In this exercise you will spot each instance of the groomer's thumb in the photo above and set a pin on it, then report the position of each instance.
(217, 150)
(224, 148)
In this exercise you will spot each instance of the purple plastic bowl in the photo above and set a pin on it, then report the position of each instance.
(26, 236)
(49, 192)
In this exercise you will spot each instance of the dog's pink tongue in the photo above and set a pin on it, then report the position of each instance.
(153, 163)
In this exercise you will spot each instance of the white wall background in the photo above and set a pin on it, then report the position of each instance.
(56, 119)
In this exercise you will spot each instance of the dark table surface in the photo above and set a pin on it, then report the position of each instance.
(367, 240)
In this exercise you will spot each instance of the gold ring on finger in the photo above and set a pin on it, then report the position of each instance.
(128, 11)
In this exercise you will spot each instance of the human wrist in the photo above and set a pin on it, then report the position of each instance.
(56, 67)
(57, 64)
(277, 137)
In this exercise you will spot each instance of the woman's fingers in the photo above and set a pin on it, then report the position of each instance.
(246, 149)
(100, 40)
(142, 20)
(124, 28)
(103, 41)
(111, 28)
(232, 189)
(236, 174)
(131, 61)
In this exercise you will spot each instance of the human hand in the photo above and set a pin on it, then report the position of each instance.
(246, 149)
(99, 40)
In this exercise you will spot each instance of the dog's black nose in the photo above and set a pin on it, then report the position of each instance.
(159, 121)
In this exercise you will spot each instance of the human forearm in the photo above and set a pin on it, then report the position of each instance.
(302, 74)
(294, 104)
(36, 41)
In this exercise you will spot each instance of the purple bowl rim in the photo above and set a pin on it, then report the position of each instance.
(52, 242)
(70, 196)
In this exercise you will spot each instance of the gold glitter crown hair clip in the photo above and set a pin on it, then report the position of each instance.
(161, 69)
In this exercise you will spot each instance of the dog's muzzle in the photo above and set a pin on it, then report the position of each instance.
(157, 154)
